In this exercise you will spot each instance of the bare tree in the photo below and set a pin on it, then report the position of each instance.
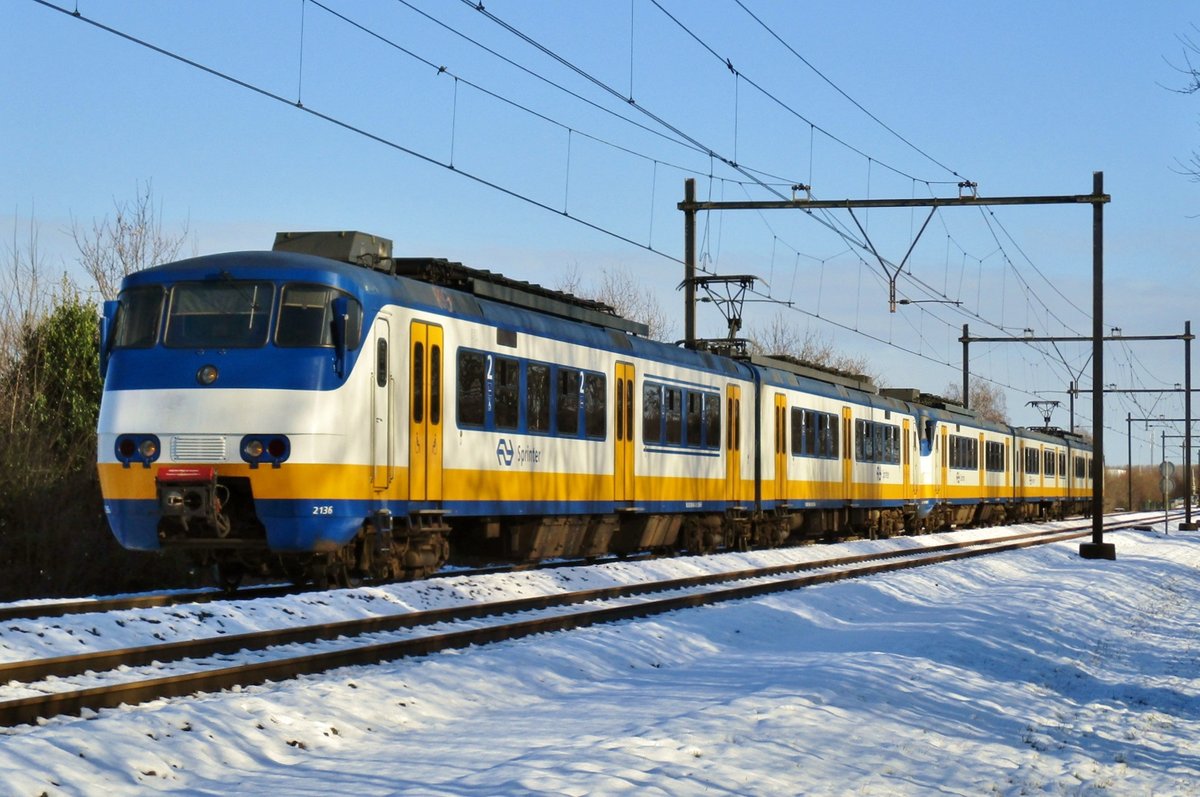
(986, 398)
(22, 301)
(22, 307)
(130, 242)
(781, 338)
(620, 290)
(1191, 85)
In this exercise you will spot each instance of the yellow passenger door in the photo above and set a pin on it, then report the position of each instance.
(623, 475)
(847, 454)
(733, 444)
(425, 417)
(781, 457)
(906, 462)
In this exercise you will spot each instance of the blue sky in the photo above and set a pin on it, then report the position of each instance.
(1025, 98)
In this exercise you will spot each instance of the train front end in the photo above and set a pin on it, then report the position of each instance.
(226, 424)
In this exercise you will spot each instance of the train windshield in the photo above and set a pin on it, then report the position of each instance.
(229, 314)
(139, 313)
(306, 316)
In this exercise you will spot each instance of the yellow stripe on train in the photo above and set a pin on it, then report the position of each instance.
(354, 482)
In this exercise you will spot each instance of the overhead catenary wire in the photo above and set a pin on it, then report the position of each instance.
(731, 163)
(329, 118)
(569, 129)
(728, 62)
(839, 90)
(351, 128)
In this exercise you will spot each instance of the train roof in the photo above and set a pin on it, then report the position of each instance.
(375, 252)
(377, 287)
(1053, 435)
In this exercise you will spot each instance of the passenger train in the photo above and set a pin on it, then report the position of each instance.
(325, 411)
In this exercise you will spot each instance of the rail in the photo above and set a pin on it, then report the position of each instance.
(691, 591)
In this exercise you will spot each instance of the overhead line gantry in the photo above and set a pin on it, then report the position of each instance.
(968, 197)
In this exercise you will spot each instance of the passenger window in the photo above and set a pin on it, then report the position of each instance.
(652, 413)
(595, 405)
(507, 393)
(567, 413)
(712, 421)
(537, 397)
(674, 413)
(472, 371)
(865, 442)
(693, 418)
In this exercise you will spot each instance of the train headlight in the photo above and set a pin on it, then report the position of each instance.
(132, 448)
(258, 449)
(207, 374)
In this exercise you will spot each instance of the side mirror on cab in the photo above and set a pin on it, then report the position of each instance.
(107, 323)
(341, 324)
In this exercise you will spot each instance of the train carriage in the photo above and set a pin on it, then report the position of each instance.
(973, 456)
(1053, 473)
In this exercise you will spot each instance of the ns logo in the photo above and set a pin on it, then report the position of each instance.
(505, 452)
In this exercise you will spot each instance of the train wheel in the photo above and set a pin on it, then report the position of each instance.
(695, 538)
(295, 571)
(229, 576)
(318, 571)
(349, 577)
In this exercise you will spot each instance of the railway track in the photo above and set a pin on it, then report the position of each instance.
(50, 687)
(48, 609)
(38, 611)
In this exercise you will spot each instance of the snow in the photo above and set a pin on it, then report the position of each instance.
(1030, 672)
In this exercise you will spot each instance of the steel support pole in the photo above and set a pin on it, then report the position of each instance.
(1129, 459)
(1098, 548)
(1188, 525)
(689, 264)
(966, 342)
(1163, 469)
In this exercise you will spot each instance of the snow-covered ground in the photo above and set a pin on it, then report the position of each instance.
(1031, 672)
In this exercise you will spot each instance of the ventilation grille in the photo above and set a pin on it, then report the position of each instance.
(198, 448)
